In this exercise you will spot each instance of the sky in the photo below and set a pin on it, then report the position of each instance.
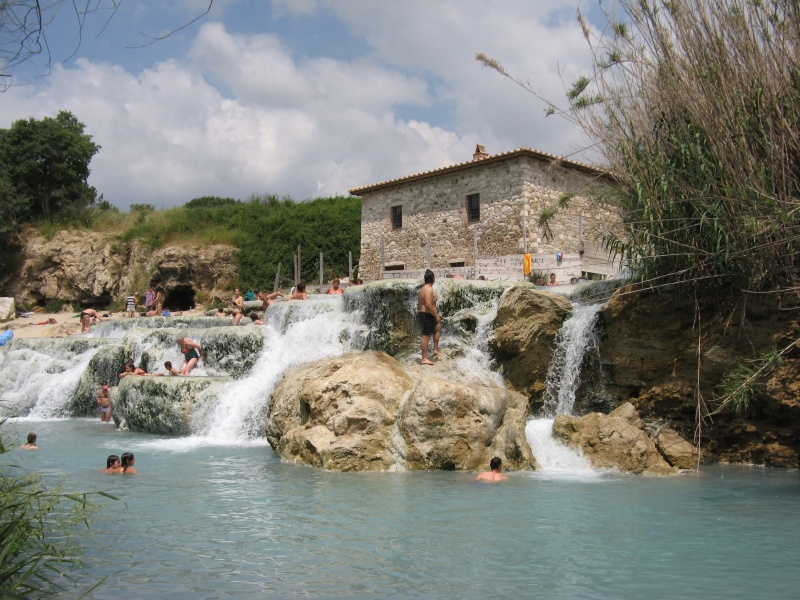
(299, 98)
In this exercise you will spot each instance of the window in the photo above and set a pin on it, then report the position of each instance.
(395, 267)
(473, 207)
(397, 217)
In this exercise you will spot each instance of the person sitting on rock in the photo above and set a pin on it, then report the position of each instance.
(268, 300)
(300, 293)
(254, 318)
(335, 289)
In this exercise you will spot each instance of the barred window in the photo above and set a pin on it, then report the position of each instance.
(473, 207)
(397, 217)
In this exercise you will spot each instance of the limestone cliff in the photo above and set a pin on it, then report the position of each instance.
(85, 268)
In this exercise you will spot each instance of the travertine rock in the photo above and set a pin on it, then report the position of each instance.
(613, 441)
(526, 326)
(87, 268)
(8, 309)
(365, 412)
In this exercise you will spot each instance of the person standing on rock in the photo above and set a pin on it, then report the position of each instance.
(496, 465)
(149, 296)
(130, 305)
(104, 400)
(237, 301)
(86, 318)
(191, 354)
(428, 316)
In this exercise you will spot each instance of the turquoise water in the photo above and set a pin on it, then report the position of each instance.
(205, 521)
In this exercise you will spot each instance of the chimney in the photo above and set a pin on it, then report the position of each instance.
(480, 153)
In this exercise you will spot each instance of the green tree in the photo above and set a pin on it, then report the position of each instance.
(47, 162)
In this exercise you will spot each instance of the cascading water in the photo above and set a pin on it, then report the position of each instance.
(574, 342)
(296, 333)
(576, 339)
(246, 363)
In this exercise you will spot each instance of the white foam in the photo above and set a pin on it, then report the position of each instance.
(555, 458)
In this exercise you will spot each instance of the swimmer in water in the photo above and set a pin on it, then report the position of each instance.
(113, 464)
(31, 443)
(496, 465)
(127, 463)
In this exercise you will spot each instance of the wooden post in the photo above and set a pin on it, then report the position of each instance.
(383, 259)
(320, 270)
(349, 266)
(475, 247)
(299, 262)
(277, 278)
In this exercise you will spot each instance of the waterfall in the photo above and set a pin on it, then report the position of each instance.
(47, 378)
(296, 333)
(40, 377)
(576, 340)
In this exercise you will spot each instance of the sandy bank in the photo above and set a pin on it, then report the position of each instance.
(66, 323)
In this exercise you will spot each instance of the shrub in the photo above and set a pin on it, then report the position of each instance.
(53, 305)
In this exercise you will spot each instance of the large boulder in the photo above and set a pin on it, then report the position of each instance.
(340, 413)
(448, 425)
(526, 327)
(163, 405)
(616, 440)
(8, 309)
(365, 412)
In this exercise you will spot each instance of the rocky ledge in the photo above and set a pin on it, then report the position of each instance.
(367, 412)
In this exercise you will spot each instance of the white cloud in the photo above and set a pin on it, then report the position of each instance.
(240, 114)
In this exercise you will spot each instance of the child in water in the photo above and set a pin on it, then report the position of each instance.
(127, 463)
(113, 464)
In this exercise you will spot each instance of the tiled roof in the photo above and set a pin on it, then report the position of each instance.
(544, 156)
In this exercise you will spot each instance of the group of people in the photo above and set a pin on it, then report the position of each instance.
(124, 464)
(114, 463)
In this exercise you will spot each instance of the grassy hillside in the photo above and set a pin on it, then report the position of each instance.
(266, 231)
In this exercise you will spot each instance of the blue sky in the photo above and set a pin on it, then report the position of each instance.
(303, 98)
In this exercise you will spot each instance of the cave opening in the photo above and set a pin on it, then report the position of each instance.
(180, 297)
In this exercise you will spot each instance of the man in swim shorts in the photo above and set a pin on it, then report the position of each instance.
(429, 317)
(104, 400)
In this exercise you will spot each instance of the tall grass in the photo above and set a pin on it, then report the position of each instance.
(694, 106)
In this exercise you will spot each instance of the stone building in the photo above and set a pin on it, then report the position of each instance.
(481, 216)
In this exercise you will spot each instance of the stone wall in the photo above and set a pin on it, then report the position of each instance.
(434, 211)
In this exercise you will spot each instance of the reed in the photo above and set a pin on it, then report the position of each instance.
(694, 107)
